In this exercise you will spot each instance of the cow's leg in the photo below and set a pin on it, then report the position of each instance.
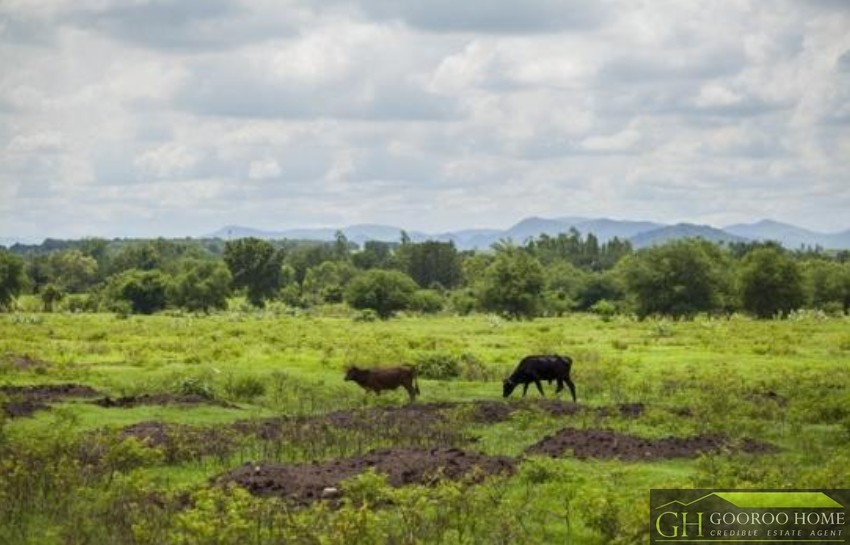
(525, 389)
(539, 386)
(410, 391)
(572, 388)
(560, 386)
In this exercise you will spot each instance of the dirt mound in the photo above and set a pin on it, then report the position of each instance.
(25, 400)
(413, 424)
(23, 363)
(180, 442)
(592, 443)
(159, 399)
(402, 466)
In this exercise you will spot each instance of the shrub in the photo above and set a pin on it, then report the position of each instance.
(245, 388)
(605, 309)
(438, 365)
(427, 301)
(195, 386)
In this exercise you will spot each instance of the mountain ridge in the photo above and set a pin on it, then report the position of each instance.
(640, 233)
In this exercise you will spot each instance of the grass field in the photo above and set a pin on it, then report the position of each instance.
(76, 472)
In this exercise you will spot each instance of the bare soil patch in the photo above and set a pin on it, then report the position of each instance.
(305, 483)
(159, 399)
(25, 400)
(600, 443)
(24, 362)
(181, 442)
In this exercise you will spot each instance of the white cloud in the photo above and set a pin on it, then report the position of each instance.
(433, 115)
(47, 141)
(263, 168)
(622, 141)
(167, 161)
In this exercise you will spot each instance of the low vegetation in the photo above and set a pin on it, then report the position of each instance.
(191, 428)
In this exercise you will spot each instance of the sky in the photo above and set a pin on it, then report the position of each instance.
(140, 118)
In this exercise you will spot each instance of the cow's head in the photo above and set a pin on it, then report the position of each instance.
(508, 387)
(352, 372)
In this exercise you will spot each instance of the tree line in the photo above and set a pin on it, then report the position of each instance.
(545, 276)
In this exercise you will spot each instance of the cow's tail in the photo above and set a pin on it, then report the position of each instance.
(568, 361)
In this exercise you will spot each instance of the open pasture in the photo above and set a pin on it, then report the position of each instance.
(239, 428)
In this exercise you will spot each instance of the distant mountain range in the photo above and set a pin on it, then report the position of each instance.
(640, 233)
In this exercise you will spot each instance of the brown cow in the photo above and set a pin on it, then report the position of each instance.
(387, 378)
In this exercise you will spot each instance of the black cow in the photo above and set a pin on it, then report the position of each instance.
(388, 378)
(537, 368)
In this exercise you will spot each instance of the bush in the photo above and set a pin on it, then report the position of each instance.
(438, 365)
(244, 388)
(427, 301)
(604, 309)
(463, 302)
(80, 303)
(195, 386)
(145, 291)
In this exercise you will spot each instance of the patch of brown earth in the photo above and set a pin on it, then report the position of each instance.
(181, 442)
(159, 399)
(760, 397)
(419, 424)
(25, 400)
(594, 443)
(305, 483)
(24, 363)
(408, 424)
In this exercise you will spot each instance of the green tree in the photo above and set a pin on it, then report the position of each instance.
(427, 301)
(12, 278)
(327, 282)
(375, 255)
(513, 283)
(385, 292)
(828, 284)
(73, 271)
(51, 294)
(563, 281)
(342, 248)
(432, 262)
(145, 291)
(201, 286)
(473, 267)
(679, 278)
(599, 287)
(305, 256)
(771, 283)
(256, 266)
(143, 256)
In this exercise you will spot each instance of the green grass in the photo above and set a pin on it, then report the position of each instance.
(785, 382)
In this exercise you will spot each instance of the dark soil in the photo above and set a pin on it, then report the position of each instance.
(591, 443)
(402, 466)
(25, 400)
(24, 363)
(181, 442)
(769, 396)
(159, 399)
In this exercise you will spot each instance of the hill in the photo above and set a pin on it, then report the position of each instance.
(639, 233)
(788, 235)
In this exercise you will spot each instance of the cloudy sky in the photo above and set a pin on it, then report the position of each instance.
(174, 118)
